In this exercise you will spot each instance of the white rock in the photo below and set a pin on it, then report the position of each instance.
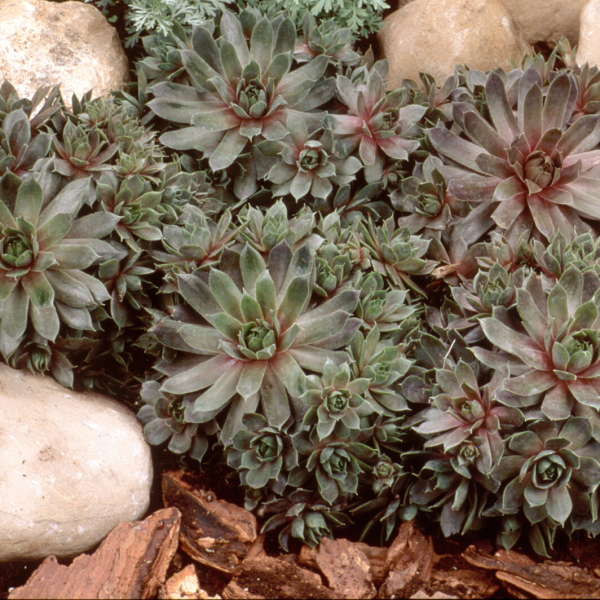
(72, 467)
(546, 20)
(588, 50)
(435, 35)
(65, 43)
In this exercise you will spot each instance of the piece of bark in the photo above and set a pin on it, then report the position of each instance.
(131, 562)
(467, 583)
(184, 585)
(346, 568)
(257, 549)
(543, 580)
(268, 577)
(425, 595)
(214, 532)
(409, 562)
(376, 556)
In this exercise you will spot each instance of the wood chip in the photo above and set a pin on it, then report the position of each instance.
(346, 568)
(184, 585)
(409, 562)
(467, 583)
(376, 556)
(131, 562)
(214, 532)
(268, 577)
(543, 580)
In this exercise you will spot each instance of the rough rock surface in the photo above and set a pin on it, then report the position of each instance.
(588, 50)
(65, 43)
(436, 35)
(546, 20)
(73, 466)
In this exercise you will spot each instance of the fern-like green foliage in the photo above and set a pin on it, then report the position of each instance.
(159, 16)
(363, 17)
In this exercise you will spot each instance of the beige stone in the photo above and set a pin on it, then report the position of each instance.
(435, 35)
(65, 43)
(546, 20)
(72, 467)
(588, 50)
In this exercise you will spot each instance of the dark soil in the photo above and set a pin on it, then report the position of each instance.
(15, 574)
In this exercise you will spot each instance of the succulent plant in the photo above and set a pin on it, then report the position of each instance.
(555, 258)
(163, 419)
(301, 516)
(383, 366)
(326, 39)
(422, 197)
(307, 164)
(553, 348)
(125, 281)
(533, 169)
(24, 135)
(377, 122)
(256, 343)
(383, 307)
(335, 464)
(452, 486)
(137, 205)
(546, 470)
(465, 411)
(162, 62)
(372, 306)
(491, 287)
(396, 253)
(138, 151)
(262, 454)
(39, 108)
(83, 151)
(438, 100)
(195, 242)
(391, 485)
(352, 205)
(38, 355)
(45, 249)
(20, 145)
(266, 229)
(240, 92)
(588, 90)
(335, 263)
(335, 401)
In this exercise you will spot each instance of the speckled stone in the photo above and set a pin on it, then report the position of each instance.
(434, 36)
(70, 44)
(546, 20)
(72, 467)
(588, 50)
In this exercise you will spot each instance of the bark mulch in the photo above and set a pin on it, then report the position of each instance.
(201, 547)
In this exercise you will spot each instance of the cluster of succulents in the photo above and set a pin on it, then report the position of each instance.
(370, 304)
